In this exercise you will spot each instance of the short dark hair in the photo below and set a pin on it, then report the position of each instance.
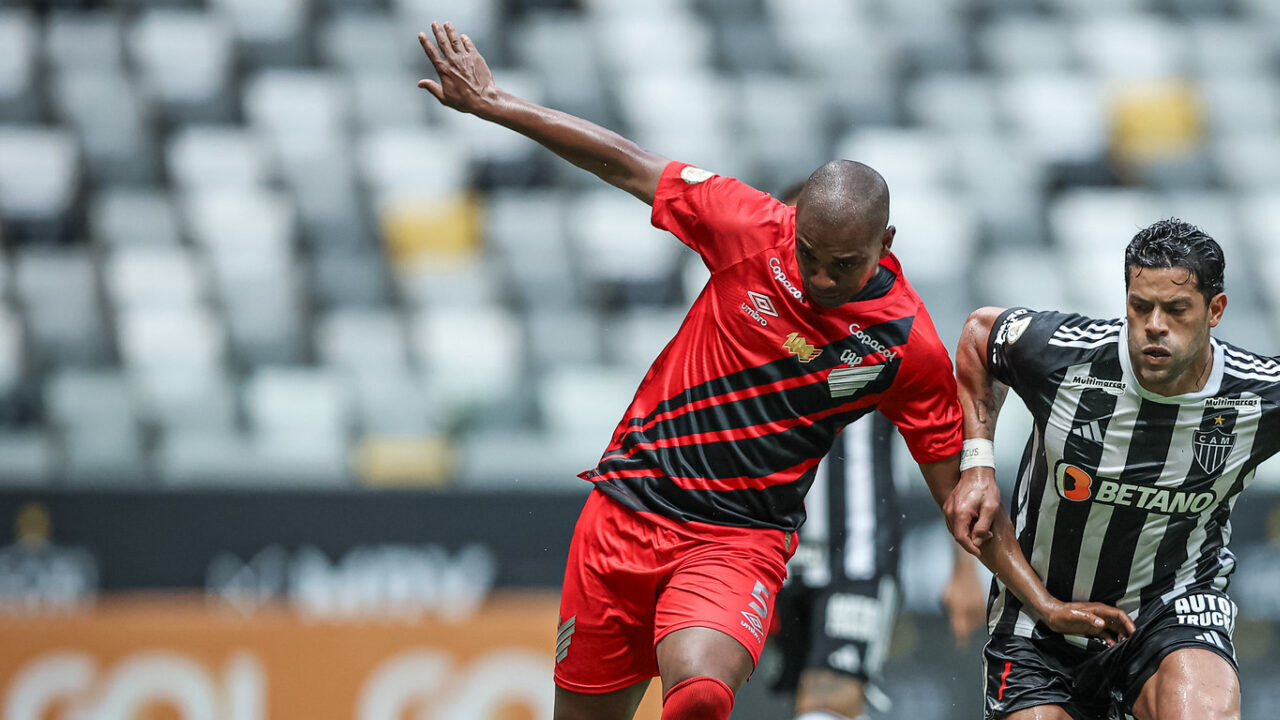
(1173, 243)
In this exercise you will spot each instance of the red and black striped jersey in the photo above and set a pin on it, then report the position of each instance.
(731, 420)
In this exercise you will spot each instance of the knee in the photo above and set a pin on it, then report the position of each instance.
(698, 698)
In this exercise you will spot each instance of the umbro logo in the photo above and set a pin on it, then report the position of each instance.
(763, 303)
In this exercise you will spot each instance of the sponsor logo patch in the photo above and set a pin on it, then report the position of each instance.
(1077, 485)
(775, 265)
(1110, 387)
(1212, 448)
(695, 175)
(797, 345)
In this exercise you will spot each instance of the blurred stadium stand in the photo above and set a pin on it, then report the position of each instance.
(242, 250)
(241, 223)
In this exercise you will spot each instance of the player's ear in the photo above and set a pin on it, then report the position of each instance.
(1217, 306)
(886, 241)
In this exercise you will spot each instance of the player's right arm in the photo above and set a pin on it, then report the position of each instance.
(981, 397)
(466, 85)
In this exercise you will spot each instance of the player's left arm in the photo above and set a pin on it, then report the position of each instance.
(1003, 556)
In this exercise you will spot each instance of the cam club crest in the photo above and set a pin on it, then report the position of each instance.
(1212, 448)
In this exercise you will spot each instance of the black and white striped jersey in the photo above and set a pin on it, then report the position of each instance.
(853, 528)
(1124, 496)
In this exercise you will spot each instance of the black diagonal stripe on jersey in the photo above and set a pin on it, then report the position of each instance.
(775, 406)
(755, 457)
(1144, 462)
(1173, 552)
(1068, 526)
(891, 334)
(738, 508)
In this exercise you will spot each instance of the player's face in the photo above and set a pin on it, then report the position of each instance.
(1169, 323)
(837, 261)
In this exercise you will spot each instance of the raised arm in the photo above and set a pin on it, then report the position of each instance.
(466, 85)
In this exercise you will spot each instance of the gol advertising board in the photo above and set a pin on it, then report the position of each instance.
(181, 657)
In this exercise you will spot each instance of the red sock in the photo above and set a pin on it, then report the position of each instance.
(698, 698)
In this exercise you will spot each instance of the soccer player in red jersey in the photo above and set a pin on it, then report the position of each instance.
(806, 324)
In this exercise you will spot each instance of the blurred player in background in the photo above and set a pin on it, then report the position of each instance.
(837, 609)
(1147, 429)
(805, 325)
(836, 612)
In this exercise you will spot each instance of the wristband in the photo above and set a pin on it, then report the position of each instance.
(977, 452)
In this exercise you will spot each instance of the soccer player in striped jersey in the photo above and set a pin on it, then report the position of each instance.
(806, 324)
(1147, 429)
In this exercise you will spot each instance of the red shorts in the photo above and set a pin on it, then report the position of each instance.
(632, 578)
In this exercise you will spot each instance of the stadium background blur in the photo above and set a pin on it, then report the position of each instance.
(297, 368)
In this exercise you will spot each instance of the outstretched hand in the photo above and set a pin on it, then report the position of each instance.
(1091, 619)
(465, 83)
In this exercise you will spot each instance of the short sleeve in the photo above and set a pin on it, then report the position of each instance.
(722, 219)
(1016, 350)
(923, 402)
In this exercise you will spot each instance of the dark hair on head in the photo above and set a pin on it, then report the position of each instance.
(1173, 243)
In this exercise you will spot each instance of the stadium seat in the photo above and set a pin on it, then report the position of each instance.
(28, 458)
(1099, 220)
(125, 217)
(1247, 160)
(772, 111)
(1232, 47)
(1240, 103)
(559, 48)
(634, 338)
(369, 43)
(19, 43)
(217, 156)
(1060, 116)
(909, 159)
(12, 350)
(615, 244)
(585, 401)
(201, 458)
(1022, 42)
(177, 399)
(390, 99)
(546, 461)
(185, 58)
(85, 40)
(394, 403)
(88, 398)
(268, 33)
(290, 400)
(112, 121)
(558, 335)
(160, 338)
(1121, 46)
(39, 180)
(471, 354)
(951, 101)
(104, 456)
(526, 234)
(58, 291)
(362, 341)
(349, 277)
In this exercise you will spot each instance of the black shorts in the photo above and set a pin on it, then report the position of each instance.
(1103, 683)
(844, 627)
